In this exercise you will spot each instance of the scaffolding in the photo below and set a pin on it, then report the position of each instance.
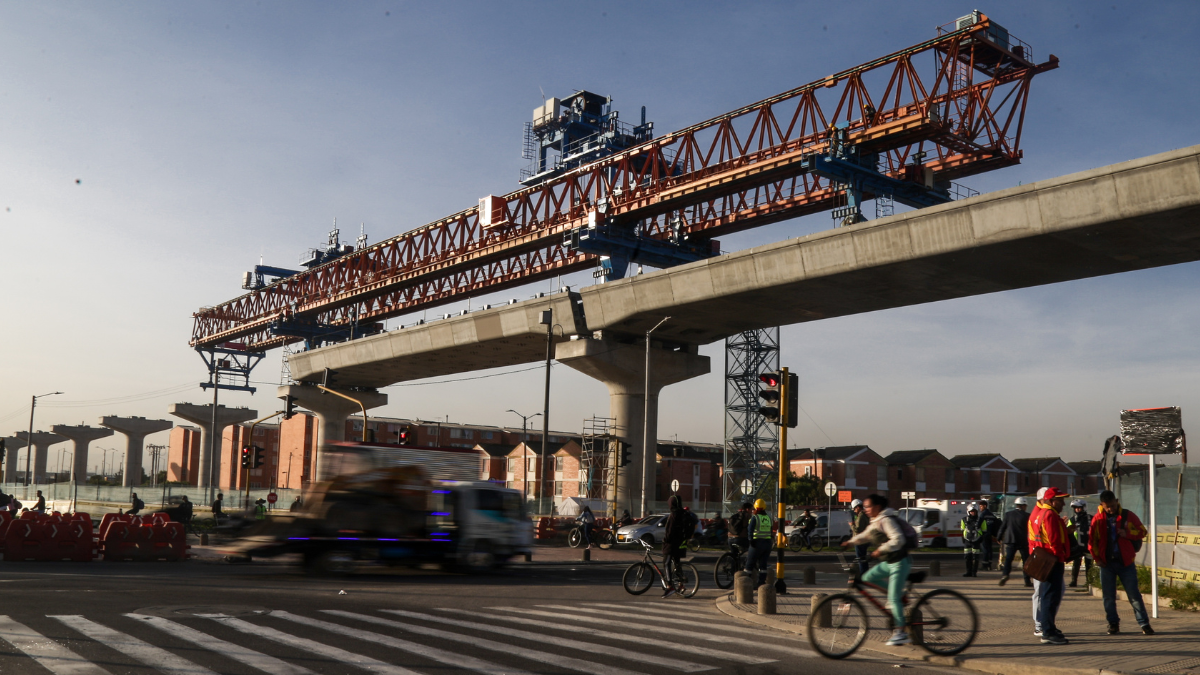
(597, 470)
(751, 442)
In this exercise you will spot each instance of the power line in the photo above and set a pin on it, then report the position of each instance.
(818, 426)
(129, 398)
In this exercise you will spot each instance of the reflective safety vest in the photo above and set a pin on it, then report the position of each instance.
(260, 512)
(760, 526)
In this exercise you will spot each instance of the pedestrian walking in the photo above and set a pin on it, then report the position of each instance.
(218, 507)
(40, 506)
(992, 524)
(586, 519)
(677, 532)
(1115, 537)
(1048, 531)
(1080, 524)
(184, 510)
(295, 505)
(761, 541)
(974, 529)
(859, 522)
(136, 505)
(1014, 535)
(887, 532)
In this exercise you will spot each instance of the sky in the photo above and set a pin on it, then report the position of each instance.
(151, 152)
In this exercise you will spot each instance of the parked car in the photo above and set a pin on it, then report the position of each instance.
(649, 529)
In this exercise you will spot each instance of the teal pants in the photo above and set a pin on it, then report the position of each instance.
(895, 575)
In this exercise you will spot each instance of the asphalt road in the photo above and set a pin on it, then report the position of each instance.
(205, 617)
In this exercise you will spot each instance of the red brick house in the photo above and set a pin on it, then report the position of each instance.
(984, 474)
(697, 467)
(922, 471)
(183, 455)
(856, 468)
(1039, 472)
(1089, 478)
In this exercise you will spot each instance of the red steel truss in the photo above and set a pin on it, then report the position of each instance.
(730, 173)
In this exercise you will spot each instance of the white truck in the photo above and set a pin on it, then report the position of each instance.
(937, 521)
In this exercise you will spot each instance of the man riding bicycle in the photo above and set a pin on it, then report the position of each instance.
(891, 548)
(807, 523)
(679, 528)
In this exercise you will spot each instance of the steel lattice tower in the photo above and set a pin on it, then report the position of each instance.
(751, 443)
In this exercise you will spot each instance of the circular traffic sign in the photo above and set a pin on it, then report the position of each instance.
(675, 485)
(272, 497)
(831, 489)
(747, 486)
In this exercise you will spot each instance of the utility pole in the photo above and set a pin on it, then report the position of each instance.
(524, 457)
(646, 458)
(547, 319)
(29, 438)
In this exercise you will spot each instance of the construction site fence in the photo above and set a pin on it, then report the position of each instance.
(1177, 495)
(155, 498)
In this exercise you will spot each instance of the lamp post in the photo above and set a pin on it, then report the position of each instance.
(525, 443)
(29, 438)
(646, 417)
(547, 320)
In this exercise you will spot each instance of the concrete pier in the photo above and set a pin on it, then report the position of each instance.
(41, 441)
(13, 446)
(332, 412)
(202, 416)
(621, 367)
(135, 430)
(81, 437)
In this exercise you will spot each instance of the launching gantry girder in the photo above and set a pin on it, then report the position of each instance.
(949, 107)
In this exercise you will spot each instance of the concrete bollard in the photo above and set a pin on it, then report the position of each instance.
(743, 588)
(825, 619)
(587, 555)
(766, 595)
(935, 568)
(810, 575)
(204, 539)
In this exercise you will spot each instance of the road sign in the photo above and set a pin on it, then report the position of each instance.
(908, 495)
(844, 496)
(675, 485)
(831, 489)
(272, 497)
(747, 487)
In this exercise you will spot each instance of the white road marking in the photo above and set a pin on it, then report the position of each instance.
(364, 662)
(53, 656)
(483, 643)
(257, 660)
(674, 620)
(432, 653)
(671, 611)
(641, 639)
(155, 657)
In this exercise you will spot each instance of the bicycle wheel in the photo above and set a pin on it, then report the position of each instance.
(815, 545)
(638, 578)
(606, 539)
(574, 538)
(724, 570)
(694, 544)
(944, 622)
(795, 544)
(838, 626)
(690, 580)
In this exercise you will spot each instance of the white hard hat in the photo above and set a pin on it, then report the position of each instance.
(1021, 501)
(856, 503)
(1041, 493)
(1078, 502)
(972, 507)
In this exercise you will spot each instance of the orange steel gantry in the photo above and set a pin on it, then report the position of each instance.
(739, 170)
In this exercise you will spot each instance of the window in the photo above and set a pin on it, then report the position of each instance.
(558, 485)
(899, 474)
(558, 463)
(880, 476)
(808, 471)
(921, 474)
(462, 433)
(512, 464)
(532, 465)
(487, 435)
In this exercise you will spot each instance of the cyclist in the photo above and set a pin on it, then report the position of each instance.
(858, 524)
(759, 529)
(679, 528)
(738, 525)
(586, 519)
(892, 549)
(807, 523)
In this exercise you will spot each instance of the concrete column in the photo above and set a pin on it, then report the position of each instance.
(81, 437)
(332, 412)
(135, 430)
(621, 367)
(41, 442)
(202, 416)
(12, 446)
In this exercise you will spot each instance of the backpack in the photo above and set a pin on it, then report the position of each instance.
(737, 524)
(910, 535)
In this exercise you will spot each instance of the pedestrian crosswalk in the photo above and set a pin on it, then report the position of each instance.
(634, 638)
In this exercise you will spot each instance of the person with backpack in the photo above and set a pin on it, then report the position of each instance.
(762, 540)
(679, 528)
(738, 523)
(136, 505)
(1114, 538)
(893, 538)
(992, 524)
(974, 529)
(586, 520)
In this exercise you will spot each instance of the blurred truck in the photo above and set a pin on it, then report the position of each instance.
(383, 505)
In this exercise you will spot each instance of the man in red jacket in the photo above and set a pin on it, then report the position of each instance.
(1047, 530)
(1113, 533)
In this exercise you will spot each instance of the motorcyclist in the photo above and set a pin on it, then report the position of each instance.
(626, 519)
(974, 529)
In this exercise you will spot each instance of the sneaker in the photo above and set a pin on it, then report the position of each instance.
(1055, 639)
(1037, 632)
(668, 593)
(1004, 580)
(899, 637)
(1147, 630)
(1114, 628)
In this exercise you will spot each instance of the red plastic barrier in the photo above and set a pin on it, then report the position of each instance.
(5, 520)
(23, 541)
(143, 538)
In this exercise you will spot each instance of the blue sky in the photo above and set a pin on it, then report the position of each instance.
(203, 135)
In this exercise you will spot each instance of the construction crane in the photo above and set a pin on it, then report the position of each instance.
(612, 195)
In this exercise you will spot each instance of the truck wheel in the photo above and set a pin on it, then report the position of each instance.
(481, 559)
(333, 563)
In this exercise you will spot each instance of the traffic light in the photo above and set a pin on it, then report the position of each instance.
(245, 457)
(623, 453)
(289, 407)
(791, 394)
(260, 456)
(771, 395)
(406, 436)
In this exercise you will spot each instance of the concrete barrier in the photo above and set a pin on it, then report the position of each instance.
(824, 619)
(766, 595)
(743, 588)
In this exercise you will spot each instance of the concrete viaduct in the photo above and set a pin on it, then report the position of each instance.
(1135, 215)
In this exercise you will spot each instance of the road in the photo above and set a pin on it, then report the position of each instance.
(199, 617)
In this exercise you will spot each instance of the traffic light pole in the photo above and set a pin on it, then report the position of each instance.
(780, 538)
(254, 453)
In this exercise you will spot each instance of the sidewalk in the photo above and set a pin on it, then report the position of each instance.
(1005, 644)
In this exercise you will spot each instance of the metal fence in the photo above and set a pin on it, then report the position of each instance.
(116, 496)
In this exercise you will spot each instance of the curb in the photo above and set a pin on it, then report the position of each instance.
(997, 666)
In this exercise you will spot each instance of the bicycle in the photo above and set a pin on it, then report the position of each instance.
(798, 540)
(942, 621)
(638, 577)
(729, 564)
(601, 536)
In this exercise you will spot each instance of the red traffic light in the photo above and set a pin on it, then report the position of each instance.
(769, 379)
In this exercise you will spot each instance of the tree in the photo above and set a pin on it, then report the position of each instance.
(803, 490)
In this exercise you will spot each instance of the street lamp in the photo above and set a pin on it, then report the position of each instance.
(646, 417)
(525, 442)
(29, 439)
(546, 319)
